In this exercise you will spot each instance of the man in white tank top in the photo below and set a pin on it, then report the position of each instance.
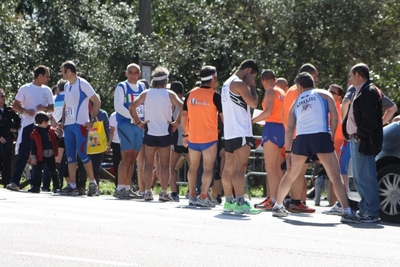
(238, 94)
(309, 115)
(158, 128)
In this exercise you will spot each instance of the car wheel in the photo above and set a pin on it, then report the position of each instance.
(389, 193)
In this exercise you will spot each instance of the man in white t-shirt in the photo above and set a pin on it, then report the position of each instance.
(30, 99)
(75, 121)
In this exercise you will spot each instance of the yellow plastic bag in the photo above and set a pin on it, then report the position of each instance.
(97, 139)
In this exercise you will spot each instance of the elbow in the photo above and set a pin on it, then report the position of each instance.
(254, 104)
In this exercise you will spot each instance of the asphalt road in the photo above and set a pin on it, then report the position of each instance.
(46, 230)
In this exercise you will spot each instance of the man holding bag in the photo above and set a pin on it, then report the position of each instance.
(98, 137)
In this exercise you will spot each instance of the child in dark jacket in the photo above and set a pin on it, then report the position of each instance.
(44, 150)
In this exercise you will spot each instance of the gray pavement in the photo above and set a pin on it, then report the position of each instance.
(46, 230)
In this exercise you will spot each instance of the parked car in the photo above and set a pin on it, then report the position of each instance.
(388, 170)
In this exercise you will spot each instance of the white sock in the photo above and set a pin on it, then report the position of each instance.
(93, 181)
(348, 210)
(273, 200)
(127, 187)
(278, 205)
(72, 185)
(120, 187)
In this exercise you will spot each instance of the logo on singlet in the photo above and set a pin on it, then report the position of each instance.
(195, 102)
(306, 107)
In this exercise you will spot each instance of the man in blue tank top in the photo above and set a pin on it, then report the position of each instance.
(131, 136)
(314, 136)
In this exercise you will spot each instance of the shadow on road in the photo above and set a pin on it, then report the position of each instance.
(231, 216)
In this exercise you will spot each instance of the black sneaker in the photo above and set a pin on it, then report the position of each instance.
(68, 190)
(34, 189)
(369, 219)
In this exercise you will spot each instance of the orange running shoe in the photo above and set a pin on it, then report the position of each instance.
(301, 208)
(265, 205)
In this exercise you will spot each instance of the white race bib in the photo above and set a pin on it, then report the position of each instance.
(69, 112)
(140, 111)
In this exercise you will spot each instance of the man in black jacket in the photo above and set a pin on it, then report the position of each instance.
(9, 124)
(363, 126)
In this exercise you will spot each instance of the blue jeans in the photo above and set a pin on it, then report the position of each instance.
(365, 180)
(23, 154)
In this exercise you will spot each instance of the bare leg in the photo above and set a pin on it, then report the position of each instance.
(140, 166)
(298, 185)
(227, 174)
(195, 157)
(72, 172)
(240, 159)
(208, 166)
(149, 154)
(165, 153)
(273, 167)
(331, 165)
(293, 174)
(172, 172)
(125, 168)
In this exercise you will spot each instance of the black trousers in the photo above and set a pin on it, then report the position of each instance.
(97, 160)
(50, 162)
(6, 157)
(116, 158)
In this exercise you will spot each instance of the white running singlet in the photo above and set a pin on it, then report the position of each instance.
(77, 101)
(311, 112)
(237, 117)
(158, 111)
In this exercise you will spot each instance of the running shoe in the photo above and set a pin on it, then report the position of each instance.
(228, 206)
(350, 218)
(34, 189)
(148, 196)
(174, 196)
(135, 194)
(206, 203)
(92, 189)
(268, 199)
(336, 209)
(301, 208)
(245, 208)
(68, 190)
(265, 205)
(280, 212)
(121, 194)
(12, 187)
(164, 197)
(369, 219)
(192, 201)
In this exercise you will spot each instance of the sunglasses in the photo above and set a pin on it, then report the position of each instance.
(333, 93)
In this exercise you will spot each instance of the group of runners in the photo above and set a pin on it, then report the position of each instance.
(301, 123)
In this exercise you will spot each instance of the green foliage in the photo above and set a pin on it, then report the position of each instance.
(102, 37)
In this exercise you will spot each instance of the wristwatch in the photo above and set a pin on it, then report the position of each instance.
(185, 135)
(92, 119)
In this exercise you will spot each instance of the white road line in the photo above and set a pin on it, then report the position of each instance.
(78, 259)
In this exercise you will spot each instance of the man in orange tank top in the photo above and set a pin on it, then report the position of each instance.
(200, 133)
(273, 135)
